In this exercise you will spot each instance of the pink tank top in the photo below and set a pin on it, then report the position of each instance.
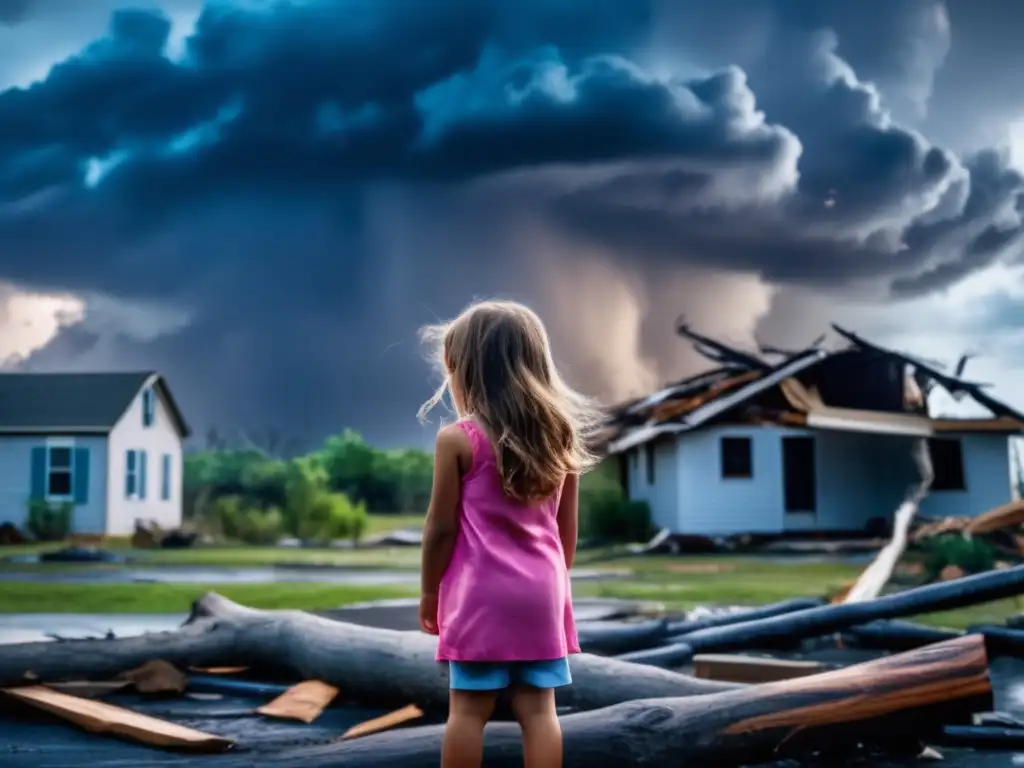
(505, 595)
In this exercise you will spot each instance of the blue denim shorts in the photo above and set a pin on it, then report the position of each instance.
(496, 675)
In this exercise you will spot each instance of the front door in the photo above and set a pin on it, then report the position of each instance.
(799, 475)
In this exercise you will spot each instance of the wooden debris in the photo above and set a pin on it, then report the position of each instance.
(219, 670)
(376, 667)
(384, 722)
(951, 572)
(916, 693)
(1003, 516)
(304, 701)
(100, 717)
(89, 689)
(751, 669)
(157, 677)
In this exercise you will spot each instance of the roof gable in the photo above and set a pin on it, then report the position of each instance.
(73, 402)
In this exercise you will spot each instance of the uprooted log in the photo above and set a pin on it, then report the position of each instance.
(958, 593)
(686, 626)
(613, 637)
(907, 696)
(896, 635)
(373, 666)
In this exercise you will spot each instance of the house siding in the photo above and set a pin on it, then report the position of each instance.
(16, 480)
(858, 477)
(159, 439)
(988, 478)
(662, 496)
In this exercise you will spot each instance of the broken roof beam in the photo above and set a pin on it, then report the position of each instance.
(769, 349)
(951, 384)
(719, 352)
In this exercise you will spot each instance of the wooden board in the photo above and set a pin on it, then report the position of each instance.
(384, 722)
(99, 717)
(751, 669)
(304, 701)
(219, 670)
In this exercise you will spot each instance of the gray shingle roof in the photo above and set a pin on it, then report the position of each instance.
(36, 402)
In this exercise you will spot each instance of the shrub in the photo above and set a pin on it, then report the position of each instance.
(234, 520)
(332, 516)
(606, 514)
(49, 522)
(970, 554)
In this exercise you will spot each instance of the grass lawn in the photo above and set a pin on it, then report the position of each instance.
(679, 582)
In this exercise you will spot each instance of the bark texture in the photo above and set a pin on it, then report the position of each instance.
(376, 667)
(912, 695)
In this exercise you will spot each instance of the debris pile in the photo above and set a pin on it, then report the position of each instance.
(756, 693)
(149, 535)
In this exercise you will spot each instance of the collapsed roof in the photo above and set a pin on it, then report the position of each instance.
(860, 387)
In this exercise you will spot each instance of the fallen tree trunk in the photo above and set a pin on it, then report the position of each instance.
(747, 614)
(1001, 641)
(970, 590)
(912, 695)
(609, 637)
(373, 666)
(896, 635)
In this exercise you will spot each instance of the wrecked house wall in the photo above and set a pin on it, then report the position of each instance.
(986, 474)
(660, 487)
(855, 477)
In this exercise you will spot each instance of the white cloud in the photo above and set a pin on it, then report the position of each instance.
(28, 321)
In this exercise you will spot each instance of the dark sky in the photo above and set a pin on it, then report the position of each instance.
(264, 200)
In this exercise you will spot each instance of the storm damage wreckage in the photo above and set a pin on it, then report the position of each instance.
(811, 442)
(809, 679)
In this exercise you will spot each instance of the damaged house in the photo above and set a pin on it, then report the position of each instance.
(808, 441)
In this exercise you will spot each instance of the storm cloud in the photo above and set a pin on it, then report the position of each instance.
(267, 215)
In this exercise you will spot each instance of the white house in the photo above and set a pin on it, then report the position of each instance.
(110, 444)
(820, 441)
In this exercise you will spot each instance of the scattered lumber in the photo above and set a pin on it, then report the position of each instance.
(1004, 516)
(376, 667)
(751, 669)
(384, 722)
(912, 694)
(100, 717)
(303, 702)
(969, 590)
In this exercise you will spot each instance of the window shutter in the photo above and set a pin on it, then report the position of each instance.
(81, 476)
(142, 474)
(129, 468)
(38, 473)
(165, 488)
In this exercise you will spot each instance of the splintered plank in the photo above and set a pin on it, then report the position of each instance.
(219, 670)
(384, 722)
(304, 701)
(100, 717)
(751, 669)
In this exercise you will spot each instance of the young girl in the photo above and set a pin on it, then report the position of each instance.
(500, 534)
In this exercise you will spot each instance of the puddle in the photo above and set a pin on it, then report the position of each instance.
(208, 575)
(35, 627)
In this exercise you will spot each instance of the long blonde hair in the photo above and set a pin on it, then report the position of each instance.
(498, 367)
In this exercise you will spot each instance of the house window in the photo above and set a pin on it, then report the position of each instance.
(165, 478)
(148, 407)
(737, 458)
(649, 461)
(135, 475)
(59, 473)
(948, 464)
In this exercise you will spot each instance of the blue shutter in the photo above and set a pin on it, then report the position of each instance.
(80, 476)
(39, 473)
(142, 474)
(129, 469)
(165, 487)
(148, 407)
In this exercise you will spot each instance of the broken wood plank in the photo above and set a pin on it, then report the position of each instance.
(913, 694)
(377, 667)
(90, 689)
(219, 670)
(384, 722)
(751, 669)
(303, 702)
(100, 717)
(1003, 516)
